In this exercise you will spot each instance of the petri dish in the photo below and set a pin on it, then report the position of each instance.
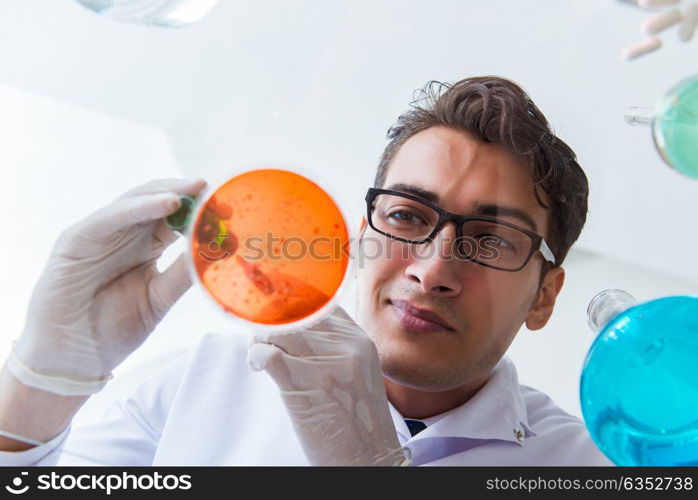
(270, 247)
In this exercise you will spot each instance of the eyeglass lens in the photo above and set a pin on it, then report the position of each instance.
(484, 241)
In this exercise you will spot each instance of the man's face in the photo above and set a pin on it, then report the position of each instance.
(482, 308)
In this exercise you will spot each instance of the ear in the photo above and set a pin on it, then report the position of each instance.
(362, 229)
(545, 301)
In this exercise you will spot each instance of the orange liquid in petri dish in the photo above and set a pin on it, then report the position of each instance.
(270, 246)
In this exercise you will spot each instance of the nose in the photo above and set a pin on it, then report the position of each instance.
(434, 266)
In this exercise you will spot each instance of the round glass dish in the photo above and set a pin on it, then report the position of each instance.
(269, 246)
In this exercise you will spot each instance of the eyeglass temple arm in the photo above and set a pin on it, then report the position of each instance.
(547, 253)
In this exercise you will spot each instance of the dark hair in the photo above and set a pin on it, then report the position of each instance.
(496, 110)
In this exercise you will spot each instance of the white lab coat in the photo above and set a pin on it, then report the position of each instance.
(208, 408)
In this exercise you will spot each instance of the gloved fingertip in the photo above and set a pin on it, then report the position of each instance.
(259, 354)
(198, 182)
(173, 203)
(261, 337)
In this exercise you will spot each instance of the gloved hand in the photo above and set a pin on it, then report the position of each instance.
(330, 380)
(100, 294)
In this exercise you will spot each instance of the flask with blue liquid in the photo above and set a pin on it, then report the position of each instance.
(639, 384)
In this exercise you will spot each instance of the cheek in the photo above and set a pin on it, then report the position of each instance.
(379, 264)
(502, 299)
(520, 287)
(380, 260)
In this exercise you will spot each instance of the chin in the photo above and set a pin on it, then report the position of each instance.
(416, 370)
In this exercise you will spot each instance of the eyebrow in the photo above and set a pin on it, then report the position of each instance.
(481, 209)
(416, 191)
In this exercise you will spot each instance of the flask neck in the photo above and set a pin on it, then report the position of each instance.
(639, 115)
(607, 305)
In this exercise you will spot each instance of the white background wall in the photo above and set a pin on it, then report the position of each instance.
(90, 107)
(61, 162)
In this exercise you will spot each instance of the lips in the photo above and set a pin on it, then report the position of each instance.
(421, 320)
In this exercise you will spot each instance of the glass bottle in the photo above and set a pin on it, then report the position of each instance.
(674, 122)
(165, 13)
(639, 383)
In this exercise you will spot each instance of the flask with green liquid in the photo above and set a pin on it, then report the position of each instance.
(674, 122)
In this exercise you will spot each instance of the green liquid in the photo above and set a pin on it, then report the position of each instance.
(675, 127)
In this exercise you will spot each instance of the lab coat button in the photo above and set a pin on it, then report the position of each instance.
(519, 435)
(407, 452)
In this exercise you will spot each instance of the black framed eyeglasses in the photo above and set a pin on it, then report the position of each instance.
(484, 240)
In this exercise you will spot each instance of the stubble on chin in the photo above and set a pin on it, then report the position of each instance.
(406, 368)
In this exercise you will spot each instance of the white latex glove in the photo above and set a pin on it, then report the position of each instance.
(100, 294)
(674, 12)
(330, 380)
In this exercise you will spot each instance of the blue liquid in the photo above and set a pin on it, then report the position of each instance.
(639, 385)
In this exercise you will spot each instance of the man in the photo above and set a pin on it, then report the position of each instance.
(475, 206)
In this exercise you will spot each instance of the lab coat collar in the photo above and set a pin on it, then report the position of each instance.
(496, 411)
